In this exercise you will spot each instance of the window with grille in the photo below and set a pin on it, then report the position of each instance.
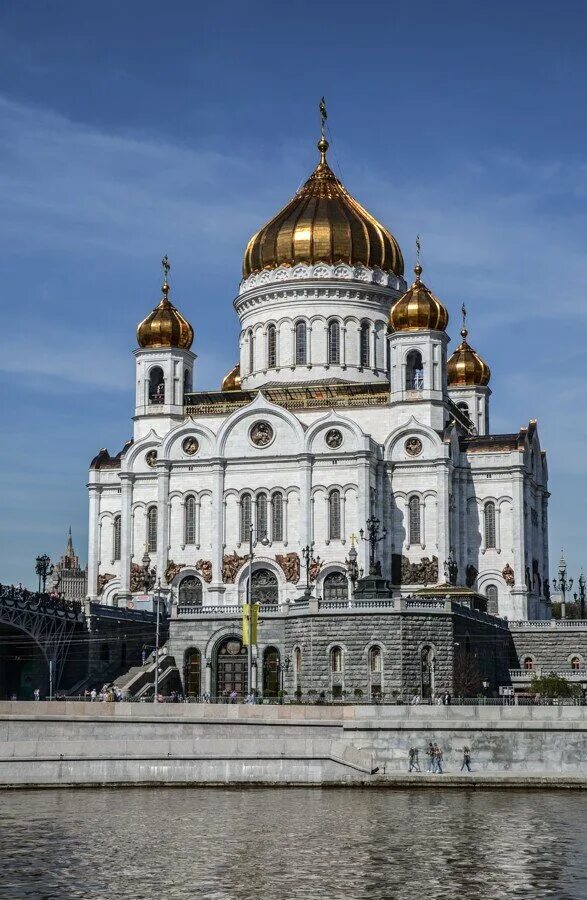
(334, 515)
(261, 517)
(271, 346)
(116, 538)
(492, 604)
(375, 659)
(335, 587)
(333, 343)
(365, 343)
(528, 663)
(301, 344)
(414, 371)
(245, 523)
(277, 516)
(576, 662)
(190, 521)
(414, 522)
(152, 529)
(489, 515)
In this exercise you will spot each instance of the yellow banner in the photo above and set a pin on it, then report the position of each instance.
(254, 623)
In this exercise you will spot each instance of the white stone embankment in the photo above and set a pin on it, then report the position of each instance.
(68, 743)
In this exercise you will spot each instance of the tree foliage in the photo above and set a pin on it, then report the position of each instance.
(553, 685)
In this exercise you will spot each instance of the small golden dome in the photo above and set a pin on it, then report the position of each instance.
(465, 367)
(165, 326)
(418, 309)
(232, 380)
(323, 223)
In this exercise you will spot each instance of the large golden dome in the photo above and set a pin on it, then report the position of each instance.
(232, 379)
(165, 326)
(323, 223)
(465, 367)
(418, 309)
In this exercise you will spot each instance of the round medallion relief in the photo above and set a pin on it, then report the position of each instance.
(190, 446)
(261, 434)
(333, 438)
(151, 458)
(413, 446)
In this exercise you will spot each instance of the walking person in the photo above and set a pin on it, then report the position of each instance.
(466, 759)
(430, 755)
(37, 694)
(438, 759)
(413, 760)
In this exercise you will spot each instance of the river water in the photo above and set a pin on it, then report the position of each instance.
(232, 844)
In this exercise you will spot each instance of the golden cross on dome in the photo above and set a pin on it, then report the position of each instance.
(464, 331)
(418, 248)
(166, 266)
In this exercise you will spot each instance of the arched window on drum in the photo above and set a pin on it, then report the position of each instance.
(277, 516)
(334, 519)
(190, 520)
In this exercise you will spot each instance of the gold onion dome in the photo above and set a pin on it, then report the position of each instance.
(232, 380)
(465, 367)
(165, 326)
(323, 223)
(418, 309)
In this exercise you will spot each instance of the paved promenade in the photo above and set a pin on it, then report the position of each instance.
(68, 743)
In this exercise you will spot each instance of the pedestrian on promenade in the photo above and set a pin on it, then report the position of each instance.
(438, 759)
(414, 764)
(37, 694)
(430, 755)
(93, 694)
(466, 759)
(233, 697)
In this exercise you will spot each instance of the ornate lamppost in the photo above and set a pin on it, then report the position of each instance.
(580, 597)
(249, 600)
(43, 569)
(562, 584)
(310, 562)
(373, 537)
(351, 563)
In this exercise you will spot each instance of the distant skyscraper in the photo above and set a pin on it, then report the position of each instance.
(68, 578)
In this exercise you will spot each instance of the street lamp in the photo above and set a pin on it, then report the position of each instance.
(580, 597)
(264, 541)
(373, 538)
(43, 569)
(308, 557)
(156, 692)
(351, 563)
(286, 663)
(563, 584)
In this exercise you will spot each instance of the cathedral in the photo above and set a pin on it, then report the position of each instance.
(346, 417)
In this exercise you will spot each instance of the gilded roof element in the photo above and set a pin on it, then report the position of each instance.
(418, 309)
(232, 379)
(165, 326)
(465, 367)
(323, 223)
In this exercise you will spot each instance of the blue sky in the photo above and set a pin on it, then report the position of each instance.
(129, 130)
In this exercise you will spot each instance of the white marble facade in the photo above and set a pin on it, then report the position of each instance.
(442, 488)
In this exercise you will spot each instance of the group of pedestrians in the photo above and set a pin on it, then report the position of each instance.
(435, 759)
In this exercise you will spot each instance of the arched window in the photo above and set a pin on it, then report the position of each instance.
(271, 672)
(489, 521)
(365, 344)
(297, 661)
(190, 521)
(528, 662)
(277, 516)
(427, 672)
(414, 371)
(261, 517)
(334, 515)
(414, 522)
(264, 586)
(375, 659)
(245, 523)
(336, 660)
(492, 603)
(156, 385)
(192, 670)
(187, 382)
(116, 537)
(271, 346)
(190, 591)
(251, 352)
(301, 344)
(335, 587)
(464, 408)
(575, 662)
(152, 529)
(333, 343)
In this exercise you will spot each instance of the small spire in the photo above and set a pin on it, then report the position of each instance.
(418, 267)
(464, 331)
(323, 143)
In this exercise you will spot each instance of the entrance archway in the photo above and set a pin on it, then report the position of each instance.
(231, 668)
(193, 672)
(271, 672)
(265, 588)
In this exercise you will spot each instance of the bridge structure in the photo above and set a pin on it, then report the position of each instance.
(48, 620)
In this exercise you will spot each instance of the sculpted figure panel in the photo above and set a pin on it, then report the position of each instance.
(423, 572)
(204, 567)
(231, 563)
(508, 575)
(290, 564)
(103, 581)
(172, 570)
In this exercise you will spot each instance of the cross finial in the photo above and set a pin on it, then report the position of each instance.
(353, 539)
(464, 331)
(166, 267)
(323, 117)
(418, 266)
